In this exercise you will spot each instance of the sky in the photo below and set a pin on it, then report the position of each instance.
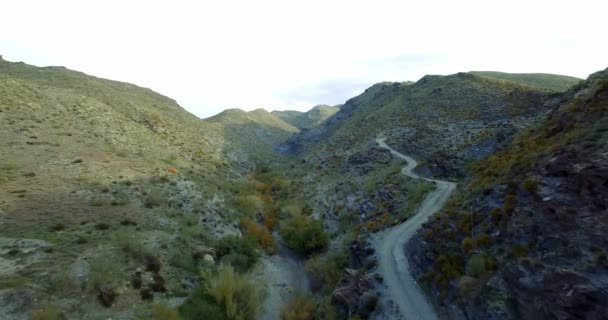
(292, 55)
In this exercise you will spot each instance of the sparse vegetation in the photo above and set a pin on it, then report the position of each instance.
(301, 307)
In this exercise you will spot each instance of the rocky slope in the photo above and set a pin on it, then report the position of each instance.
(444, 121)
(525, 239)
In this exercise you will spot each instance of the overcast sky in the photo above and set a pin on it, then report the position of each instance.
(213, 55)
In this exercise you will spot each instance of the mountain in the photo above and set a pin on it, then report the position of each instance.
(525, 236)
(546, 81)
(309, 119)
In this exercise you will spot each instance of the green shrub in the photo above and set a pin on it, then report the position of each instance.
(182, 257)
(201, 305)
(128, 241)
(476, 265)
(240, 252)
(300, 307)
(303, 234)
(239, 297)
(161, 311)
(156, 198)
(104, 270)
(58, 226)
(467, 245)
(325, 270)
(530, 185)
(50, 312)
(249, 204)
(509, 204)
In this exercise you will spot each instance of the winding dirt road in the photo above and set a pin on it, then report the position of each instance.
(401, 288)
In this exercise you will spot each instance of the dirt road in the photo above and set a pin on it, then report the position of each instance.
(401, 290)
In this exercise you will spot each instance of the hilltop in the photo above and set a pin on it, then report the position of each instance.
(552, 82)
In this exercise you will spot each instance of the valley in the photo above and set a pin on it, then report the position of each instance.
(477, 195)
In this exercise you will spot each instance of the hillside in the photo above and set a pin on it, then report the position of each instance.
(525, 237)
(255, 132)
(287, 115)
(112, 194)
(546, 81)
(445, 122)
(309, 119)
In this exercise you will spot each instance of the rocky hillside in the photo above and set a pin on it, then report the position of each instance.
(444, 121)
(552, 82)
(112, 195)
(526, 237)
(309, 119)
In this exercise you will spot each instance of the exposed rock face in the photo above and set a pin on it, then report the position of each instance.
(557, 294)
(536, 212)
(353, 292)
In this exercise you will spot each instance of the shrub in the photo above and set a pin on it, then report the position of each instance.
(476, 265)
(467, 245)
(496, 214)
(249, 204)
(530, 185)
(156, 198)
(201, 305)
(161, 311)
(260, 234)
(303, 234)
(102, 226)
(239, 297)
(50, 312)
(104, 270)
(326, 269)
(483, 240)
(128, 241)
(182, 257)
(509, 204)
(301, 307)
(58, 226)
(240, 252)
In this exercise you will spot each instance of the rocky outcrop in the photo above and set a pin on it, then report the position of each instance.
(354, 294)
(526, 238)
